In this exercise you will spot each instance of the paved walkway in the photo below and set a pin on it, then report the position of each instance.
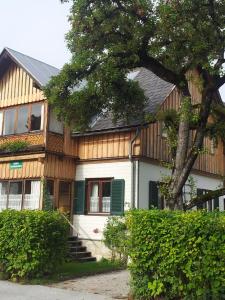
(99, 287)
(13, 291)
(114, 285)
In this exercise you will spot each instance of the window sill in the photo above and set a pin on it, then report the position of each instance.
(98, 214)
(21, 134)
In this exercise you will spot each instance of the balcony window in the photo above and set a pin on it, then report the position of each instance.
(35, 119)
(9, 121)
(22, 119)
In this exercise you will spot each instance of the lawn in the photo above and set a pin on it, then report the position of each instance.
(70, 270)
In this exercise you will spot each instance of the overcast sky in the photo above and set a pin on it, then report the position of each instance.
(37, 28)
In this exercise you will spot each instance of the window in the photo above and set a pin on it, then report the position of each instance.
(35, 119)
(3, 194)
(15, 195)
(99, 196)
(9, 121)
(54, 124)
(102, 196)
(19, 194)
(22, 119)
(31, 194)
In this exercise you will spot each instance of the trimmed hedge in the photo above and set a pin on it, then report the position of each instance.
(32, 243)
(177, 255)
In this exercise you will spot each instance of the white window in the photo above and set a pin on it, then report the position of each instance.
(23, 194)
(32, 194)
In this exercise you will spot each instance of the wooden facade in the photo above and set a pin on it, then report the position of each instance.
(53, 156)
(17, 87)
(45, 158)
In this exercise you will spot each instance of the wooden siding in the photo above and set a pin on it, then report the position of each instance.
(106, 146)
(30, 169)
(59, 167)
(55, 142)
(17, 87)
(33, 139)
(155, 146)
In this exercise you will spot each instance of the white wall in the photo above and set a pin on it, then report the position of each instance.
(89, 226)
(149, 172)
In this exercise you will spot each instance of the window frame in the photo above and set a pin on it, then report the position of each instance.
(100, 181)
(23, 189)
(16, 108)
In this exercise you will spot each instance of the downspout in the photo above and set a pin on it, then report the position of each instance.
(132, 167)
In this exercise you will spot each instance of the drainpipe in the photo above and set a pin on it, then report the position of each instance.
(133, 169)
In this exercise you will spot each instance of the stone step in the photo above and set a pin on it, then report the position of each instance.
(78, 249)
(72, 238)
(80, 254)
(87, 259)
(73, 244)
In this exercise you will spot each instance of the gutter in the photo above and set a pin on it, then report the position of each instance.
(133, 169)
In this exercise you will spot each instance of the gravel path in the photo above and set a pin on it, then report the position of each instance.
(113, 285)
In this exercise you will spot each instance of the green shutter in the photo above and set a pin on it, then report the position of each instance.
(117, 197)
(153, 194)
(199, 193)
(79, 197)
(216, 203)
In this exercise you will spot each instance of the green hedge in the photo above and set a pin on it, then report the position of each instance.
(177, 255)
(32, 243)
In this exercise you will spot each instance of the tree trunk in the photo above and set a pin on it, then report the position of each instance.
(185, 157)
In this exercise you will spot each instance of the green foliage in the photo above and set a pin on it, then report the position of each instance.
(47, 201)
(32, 243)
(107, 39)
(177, 255)
(115, 238)
(14, 146)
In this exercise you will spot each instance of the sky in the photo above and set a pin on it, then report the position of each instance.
(37, 28)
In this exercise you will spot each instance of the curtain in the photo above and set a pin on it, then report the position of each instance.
(31, 201)
(94, 199)
(3, 196)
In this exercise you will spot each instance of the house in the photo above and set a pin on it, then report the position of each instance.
(104, 171)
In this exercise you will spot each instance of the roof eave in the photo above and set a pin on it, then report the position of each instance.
(109, 130)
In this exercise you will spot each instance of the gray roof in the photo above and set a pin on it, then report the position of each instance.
(155, 89)
(38, 70)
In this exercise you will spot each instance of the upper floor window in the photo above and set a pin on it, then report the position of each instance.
(22, 119)
(54, 124)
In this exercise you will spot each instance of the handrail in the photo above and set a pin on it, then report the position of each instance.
(73, 227)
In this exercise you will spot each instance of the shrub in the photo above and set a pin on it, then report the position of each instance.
(32, 243)
(177, 255)
(115, 238)
(14, 146)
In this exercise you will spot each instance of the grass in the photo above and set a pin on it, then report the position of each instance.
(70, 270)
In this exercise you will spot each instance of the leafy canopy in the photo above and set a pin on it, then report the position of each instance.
(108, 39)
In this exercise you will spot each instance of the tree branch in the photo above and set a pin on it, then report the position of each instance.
(204, 198)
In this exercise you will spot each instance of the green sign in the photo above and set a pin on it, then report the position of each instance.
(16, 164)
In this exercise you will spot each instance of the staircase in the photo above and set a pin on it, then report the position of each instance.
(77, 252)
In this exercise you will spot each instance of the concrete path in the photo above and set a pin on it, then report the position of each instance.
(13, 291)
(114, 285)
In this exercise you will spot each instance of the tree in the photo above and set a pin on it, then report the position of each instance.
(173, 39)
